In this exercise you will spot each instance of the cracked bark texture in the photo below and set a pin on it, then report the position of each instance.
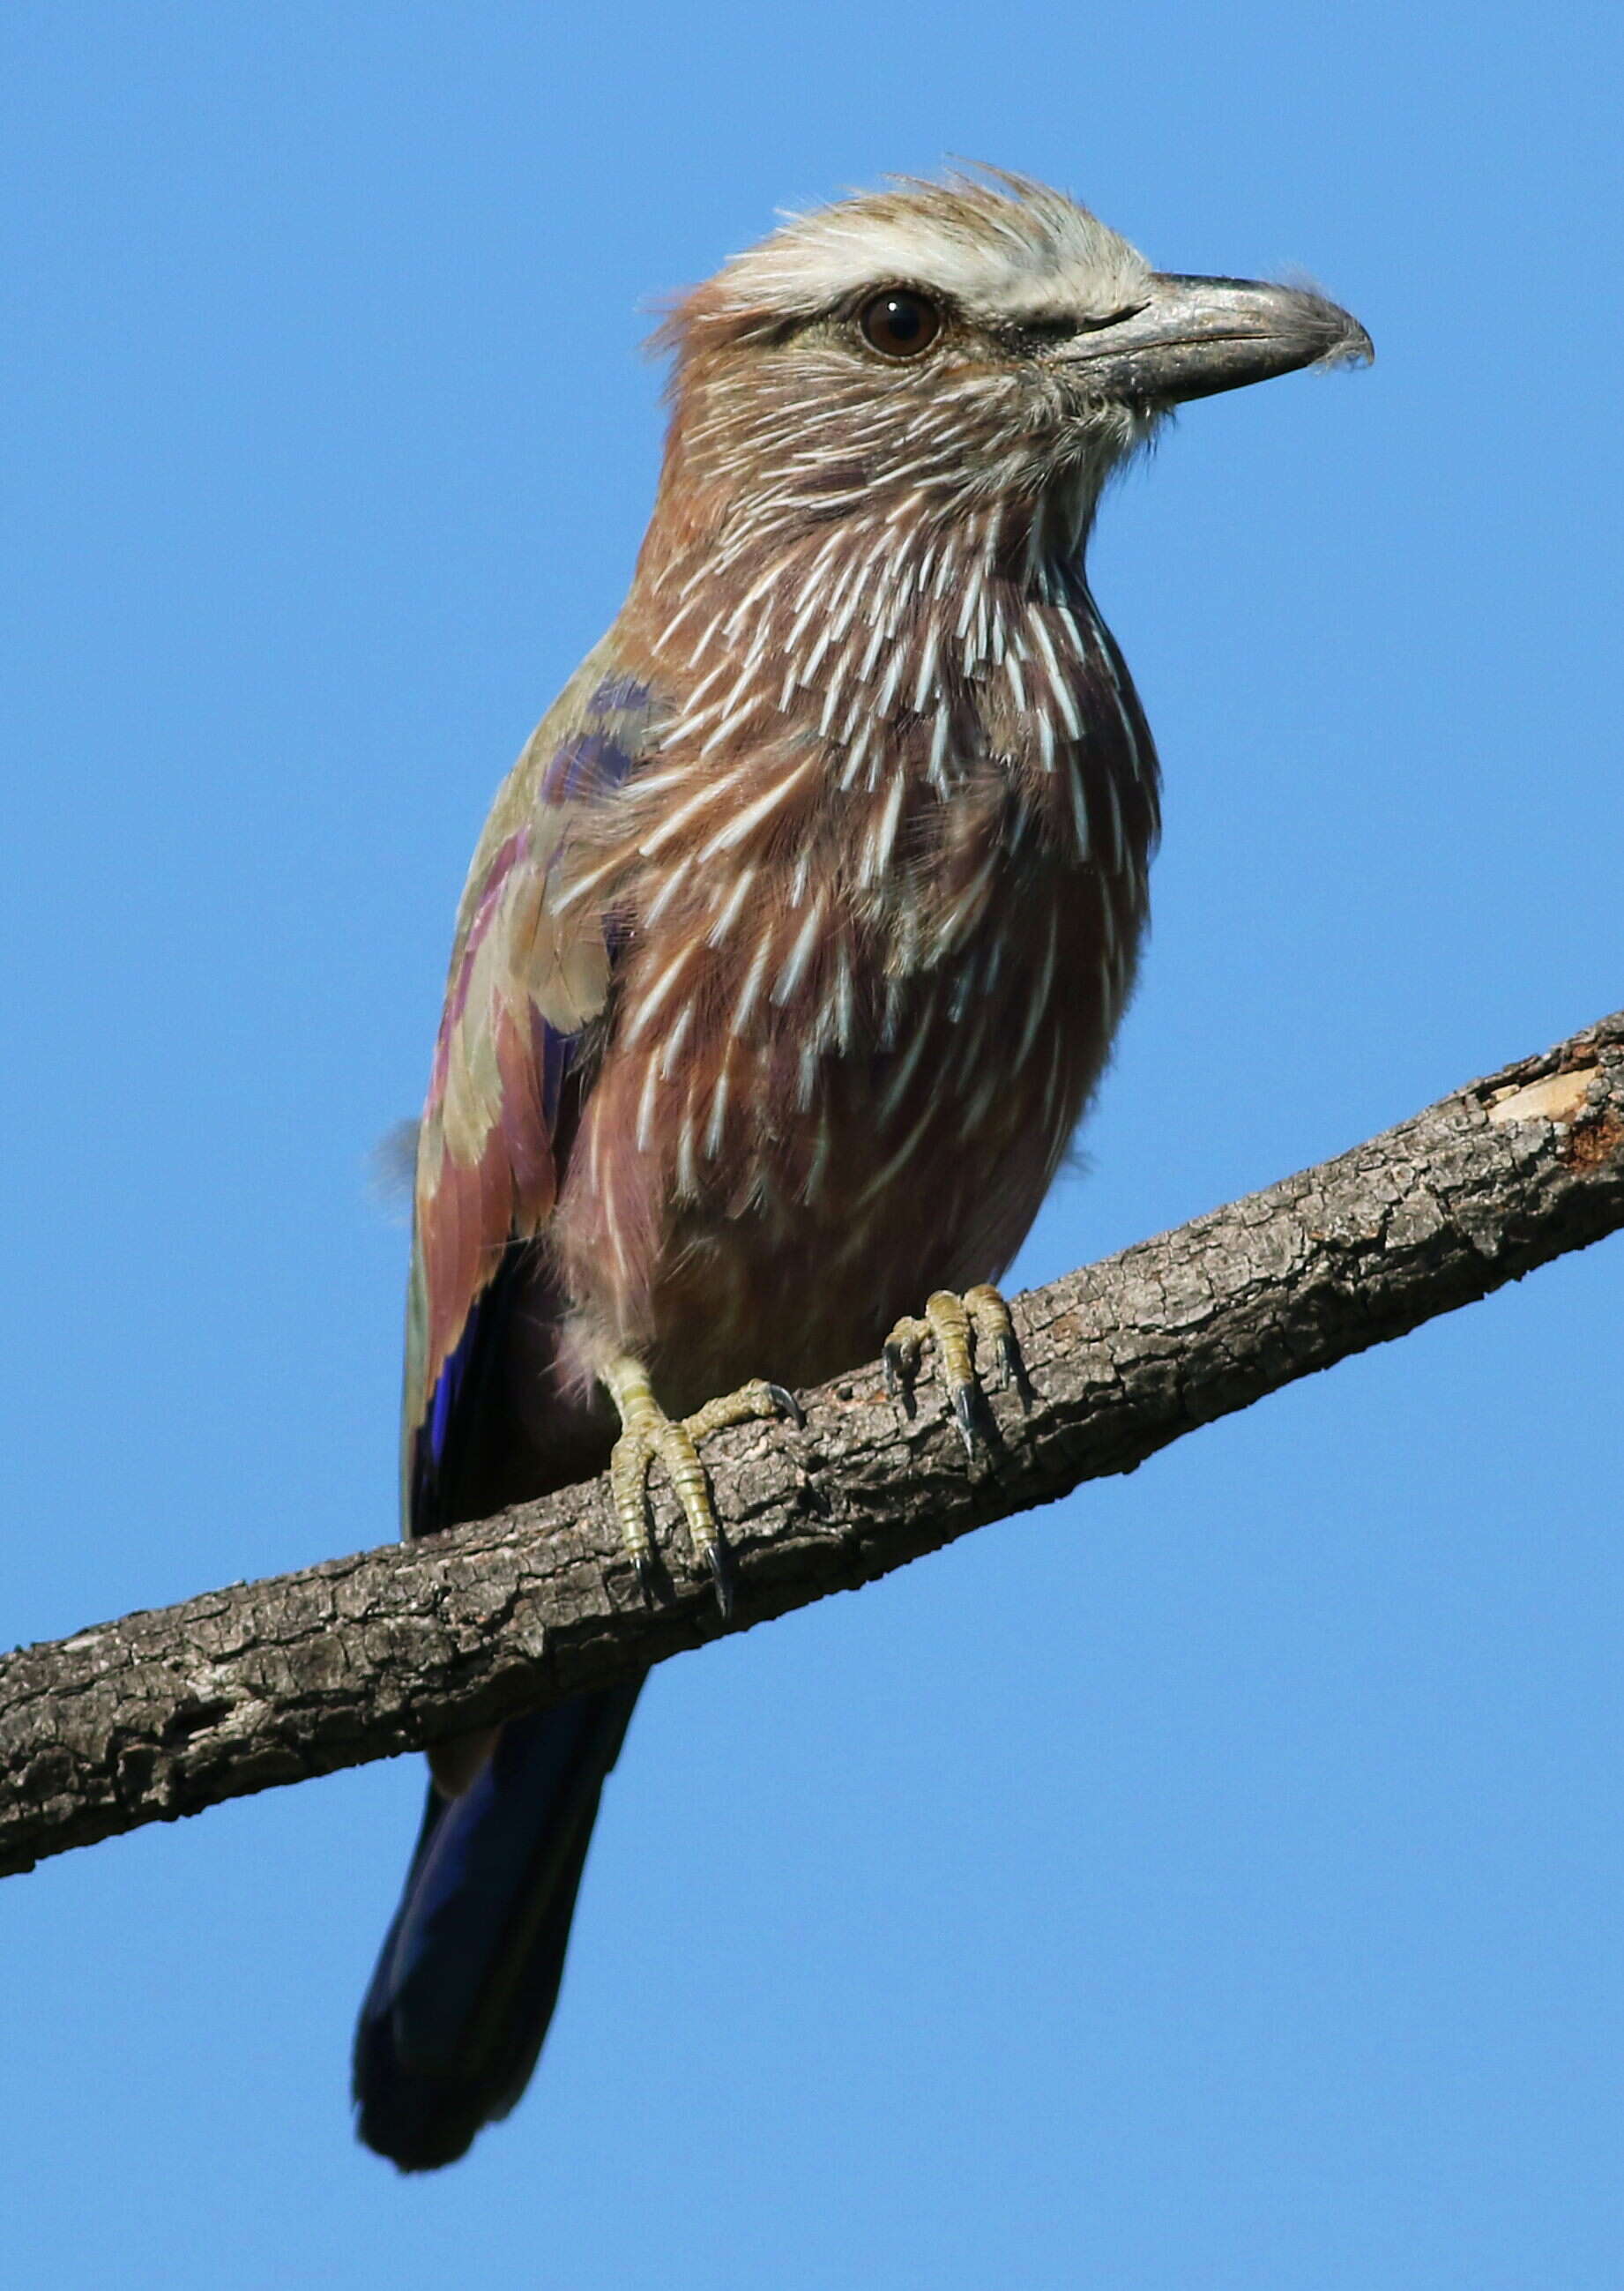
(164, 1713)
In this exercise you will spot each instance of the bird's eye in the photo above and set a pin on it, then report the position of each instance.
(900, 324)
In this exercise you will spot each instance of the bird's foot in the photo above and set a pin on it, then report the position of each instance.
(648, 1436)
(959, 1328)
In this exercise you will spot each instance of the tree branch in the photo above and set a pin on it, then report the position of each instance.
(164, 1713)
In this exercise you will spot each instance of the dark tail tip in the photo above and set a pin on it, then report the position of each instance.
(468, 1974)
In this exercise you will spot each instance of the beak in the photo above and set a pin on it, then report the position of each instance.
(1194, 337)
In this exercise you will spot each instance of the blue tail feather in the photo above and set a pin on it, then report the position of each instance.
(469, 1972)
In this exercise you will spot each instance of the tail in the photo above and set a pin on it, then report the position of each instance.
(468, 1974)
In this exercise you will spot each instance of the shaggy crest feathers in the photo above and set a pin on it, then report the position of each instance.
(1004, 249)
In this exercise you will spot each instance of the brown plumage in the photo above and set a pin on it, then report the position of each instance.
(797, 938)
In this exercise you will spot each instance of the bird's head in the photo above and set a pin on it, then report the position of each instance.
(932, 349)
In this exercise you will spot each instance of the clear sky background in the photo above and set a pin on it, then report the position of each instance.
(1214, 1880)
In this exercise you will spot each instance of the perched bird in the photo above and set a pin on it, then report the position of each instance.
(791, 953)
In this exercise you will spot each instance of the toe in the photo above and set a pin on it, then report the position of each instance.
(900, 1356)
(995, 1333)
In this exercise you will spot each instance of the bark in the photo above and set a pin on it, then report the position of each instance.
(164, 1713)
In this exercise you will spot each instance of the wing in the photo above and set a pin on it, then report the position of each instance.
(525, 988)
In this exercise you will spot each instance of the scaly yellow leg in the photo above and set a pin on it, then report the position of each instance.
(958, 1327)
(648, 1436)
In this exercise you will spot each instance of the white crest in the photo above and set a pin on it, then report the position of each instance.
(1003, 249)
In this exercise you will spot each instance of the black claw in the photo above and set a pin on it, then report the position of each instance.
(1015, 1369)
(719, 1561)
(977, 1427)
(648, 1576)
(786, 1403)
(899, 1387)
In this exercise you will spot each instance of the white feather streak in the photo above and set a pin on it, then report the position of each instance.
(795, 964)
(738, 892)
(746, 822)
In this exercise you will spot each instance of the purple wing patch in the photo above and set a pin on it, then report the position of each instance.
(503, 1095)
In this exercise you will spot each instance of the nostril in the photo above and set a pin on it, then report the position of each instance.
(1045, 334)
(1111, 317)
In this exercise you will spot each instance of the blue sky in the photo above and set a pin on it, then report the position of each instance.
(1212, 1881)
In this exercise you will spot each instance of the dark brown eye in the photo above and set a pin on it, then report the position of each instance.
(900, 324)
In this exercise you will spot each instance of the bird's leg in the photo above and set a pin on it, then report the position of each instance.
(648, 1436)
(960, 1327)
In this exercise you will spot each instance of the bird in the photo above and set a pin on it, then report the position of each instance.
(789, 959)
